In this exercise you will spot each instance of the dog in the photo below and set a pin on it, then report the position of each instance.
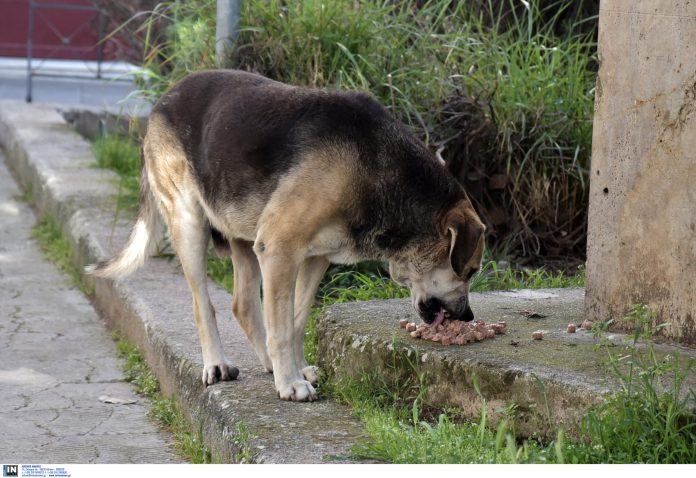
(287, 180)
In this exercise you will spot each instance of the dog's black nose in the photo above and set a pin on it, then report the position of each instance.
(429, 309)
(467, 315)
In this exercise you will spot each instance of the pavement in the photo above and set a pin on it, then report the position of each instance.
(56, 360)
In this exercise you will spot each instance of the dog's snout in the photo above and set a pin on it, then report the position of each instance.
(429, 308)
(468, 315)
(430, 305)
(465, 314)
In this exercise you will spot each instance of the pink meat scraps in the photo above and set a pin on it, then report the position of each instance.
(457, 332)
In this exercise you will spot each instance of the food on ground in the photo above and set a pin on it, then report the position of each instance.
(456, 332)
(587, 325)
(572, 328)
(538, 335)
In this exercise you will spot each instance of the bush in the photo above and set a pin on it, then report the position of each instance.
(504, 90)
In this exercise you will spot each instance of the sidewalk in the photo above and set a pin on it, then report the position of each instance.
(111, 92)
(56, 360)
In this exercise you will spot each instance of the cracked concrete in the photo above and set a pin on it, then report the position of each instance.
(56, 359)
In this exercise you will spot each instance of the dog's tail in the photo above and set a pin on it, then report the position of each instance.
(143, 239)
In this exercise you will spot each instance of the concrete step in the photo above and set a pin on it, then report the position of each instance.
(152, 308)
(551, 381)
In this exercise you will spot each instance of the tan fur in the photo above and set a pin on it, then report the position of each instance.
(297, 226)
(177, 197)
(285, 239)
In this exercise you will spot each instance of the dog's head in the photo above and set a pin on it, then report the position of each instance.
(439, 284)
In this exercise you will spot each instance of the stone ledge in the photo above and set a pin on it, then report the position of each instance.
(552, 381)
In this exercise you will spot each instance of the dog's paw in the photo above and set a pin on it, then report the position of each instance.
(299, 391)
(266, 364)
(219, 372)
(311, 374)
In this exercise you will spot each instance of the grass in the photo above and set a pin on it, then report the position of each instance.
(27, 194)
(242, 441)
(121, 154)
(163, 410)
(494, 277)
(502, 89)
(56, 248)
(220, 270)
(403, 428)
(651, 419)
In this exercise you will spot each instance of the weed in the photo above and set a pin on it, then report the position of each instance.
(56, 248)
(163, 410)
(220, 270)
(27, 194)
(121, 154)
(242, 441)
(651, 418)
(493, 277)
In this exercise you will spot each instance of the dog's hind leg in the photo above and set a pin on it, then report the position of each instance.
(308, 279)
(190, 233)
(246, 298)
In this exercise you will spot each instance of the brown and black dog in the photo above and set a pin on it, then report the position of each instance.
(288, 179)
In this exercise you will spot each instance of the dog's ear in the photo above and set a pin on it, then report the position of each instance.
(466, 238)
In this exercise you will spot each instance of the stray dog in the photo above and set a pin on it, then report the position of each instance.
(287, 180)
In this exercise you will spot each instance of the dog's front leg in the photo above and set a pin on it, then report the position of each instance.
(279, 269)
(308, 279)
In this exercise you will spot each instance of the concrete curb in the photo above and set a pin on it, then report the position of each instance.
(152, 308)
(550, 382)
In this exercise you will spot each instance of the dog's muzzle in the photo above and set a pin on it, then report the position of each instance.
(433, 312)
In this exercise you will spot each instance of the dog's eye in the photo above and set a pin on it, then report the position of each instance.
(471, 274)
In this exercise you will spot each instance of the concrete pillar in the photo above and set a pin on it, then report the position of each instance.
(642, 218)
(226, 24)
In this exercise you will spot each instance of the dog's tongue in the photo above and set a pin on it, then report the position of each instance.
(439, 318)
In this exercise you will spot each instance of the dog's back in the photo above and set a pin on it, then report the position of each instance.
(242, 132)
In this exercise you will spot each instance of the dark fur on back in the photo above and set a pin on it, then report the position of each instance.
(234, 153)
